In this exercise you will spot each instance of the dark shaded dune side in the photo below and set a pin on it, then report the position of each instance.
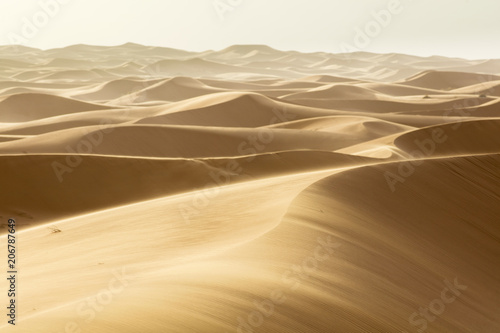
(65, 185)
(395, 250)
(467, 137)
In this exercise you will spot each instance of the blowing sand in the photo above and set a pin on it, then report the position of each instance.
(250, 190)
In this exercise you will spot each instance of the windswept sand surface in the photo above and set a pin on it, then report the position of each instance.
(250, 190)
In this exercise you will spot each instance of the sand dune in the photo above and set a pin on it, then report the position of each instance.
(26, 107)
(112, 90)
(317, 134)
(12, 63)
(250, 190)
(117, 175)
(247, 53)
(360, 128)
(335, 91)
(455, 139)
(490, 88)
(325, 79)
(191, 67)
(448, 80)
(395, 89)
(68, 63)
(173, 90)
(71, 75)
(232, 109)
(6, 85)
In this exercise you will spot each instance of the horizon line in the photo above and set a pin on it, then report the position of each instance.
(245, 45)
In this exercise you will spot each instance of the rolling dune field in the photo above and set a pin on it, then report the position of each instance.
(250, 190)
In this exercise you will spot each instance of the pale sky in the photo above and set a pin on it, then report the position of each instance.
(461, 28)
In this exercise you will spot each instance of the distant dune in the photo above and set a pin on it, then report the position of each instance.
(250, 190)
(448, 80)
(29, 106)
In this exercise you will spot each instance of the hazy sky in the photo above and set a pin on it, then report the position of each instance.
(463, 28)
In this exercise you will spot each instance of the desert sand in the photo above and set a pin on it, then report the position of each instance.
(250, 190)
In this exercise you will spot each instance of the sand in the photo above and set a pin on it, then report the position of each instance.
(250, 190)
